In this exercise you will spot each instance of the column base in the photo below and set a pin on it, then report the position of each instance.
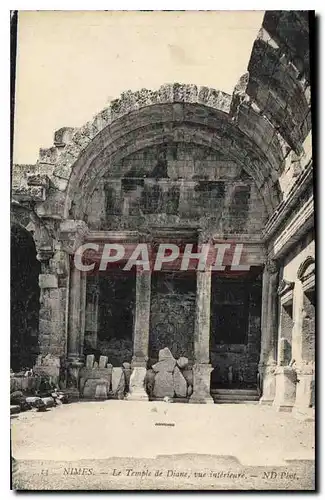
(137, 391)
(304, 406)
(305, 414)
(267, 373)
(201, 384)
(74, 366)
(285, 395)
(266, 402)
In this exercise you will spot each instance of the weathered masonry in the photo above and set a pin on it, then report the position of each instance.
(178, 164)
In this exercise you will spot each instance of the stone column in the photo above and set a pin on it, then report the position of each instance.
(72, 234)
(52, 314)
(74, 315)
(304, 406)
(83, 288)
(286, 378)
(91, 316)
(202, 367)
(140, 336)
(75, 358)
(267, 365)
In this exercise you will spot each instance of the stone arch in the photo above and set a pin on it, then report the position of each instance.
(306, 268)
(90, 181)
(174, 112)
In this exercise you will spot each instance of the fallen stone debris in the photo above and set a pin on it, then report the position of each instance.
(168, 378)
(37, 392)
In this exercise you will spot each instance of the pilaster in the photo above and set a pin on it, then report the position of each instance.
(269, 323)
(202, 367)
(140, 336)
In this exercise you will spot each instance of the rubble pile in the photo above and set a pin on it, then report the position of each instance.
(101, 380)
(29, 390)
(169, 377)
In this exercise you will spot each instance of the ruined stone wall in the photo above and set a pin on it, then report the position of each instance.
(178, 183)
(308, 327)
(279, 84)
(172, 314)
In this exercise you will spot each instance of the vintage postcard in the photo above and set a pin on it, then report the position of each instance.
(162, 251)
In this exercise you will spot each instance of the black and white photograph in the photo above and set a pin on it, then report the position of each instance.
(162, 254)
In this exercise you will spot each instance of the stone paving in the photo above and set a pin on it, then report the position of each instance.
(114, 434)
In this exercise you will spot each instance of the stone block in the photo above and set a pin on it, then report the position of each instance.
(118, 381)
(127, 375)
(49, 402)
(33, 401)
(164, 385)
(268, 386)
(150, 381)
(45, 328)
(101, 389)
(103, 361)
(90, 361)
(201, 386)
(14, 409)
(165, 354)
(180, 385)
(182, 362)
(137, 390)
(87, 373)
(305, 393)
(48, 281)
(285, 393)
(48, 364)
(48, 360)
(188, 375)
(90, 388)
(166, 365)
(15, 397)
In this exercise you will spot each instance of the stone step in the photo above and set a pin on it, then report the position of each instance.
(235, 396)
(235, 402)
(234, 391)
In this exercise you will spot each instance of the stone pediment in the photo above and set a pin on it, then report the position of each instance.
(306, 273)
(306, 268)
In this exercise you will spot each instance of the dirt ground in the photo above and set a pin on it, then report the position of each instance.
(120, 433)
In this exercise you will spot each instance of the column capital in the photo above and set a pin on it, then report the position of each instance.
(272, 266)
(44, 236)
(60, 261)
(204, 236)
(72, 234)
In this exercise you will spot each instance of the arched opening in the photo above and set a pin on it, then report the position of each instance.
(24, 292)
